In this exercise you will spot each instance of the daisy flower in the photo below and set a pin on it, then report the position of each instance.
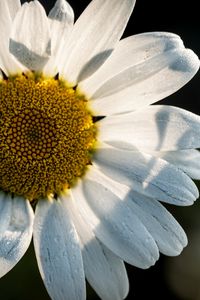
(85, 157)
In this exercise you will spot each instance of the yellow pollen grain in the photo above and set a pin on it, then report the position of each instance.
(47, 136)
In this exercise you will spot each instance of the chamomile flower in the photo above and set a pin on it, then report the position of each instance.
(82, 144)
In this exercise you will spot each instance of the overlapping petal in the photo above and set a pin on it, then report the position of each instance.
(16, 226)
(165, 230)
(157, 76)
(155, 128)
(168, 234)
(58, 252)
(13, 6)
(113, 223)
(131, 51)
(32, 47)
(61, 20)
(8, 63)
(148, 175)
(187, 160)
(104, 271)
(89, 48)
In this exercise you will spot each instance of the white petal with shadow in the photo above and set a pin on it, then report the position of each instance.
(94, 36)
(165, 230)
(186, 160)
(168, 234)
(16, 226)
(8, 63)
(61, 20)
(13, 6)
(113, 223)
(104, 271)
(155, 128)
(58, 252)
(131, 51)
(145, 83)
(148, 175)
(32, 47)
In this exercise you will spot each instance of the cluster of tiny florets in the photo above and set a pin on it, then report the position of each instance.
(46, 136)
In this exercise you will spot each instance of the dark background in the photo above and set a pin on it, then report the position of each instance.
(174, 278)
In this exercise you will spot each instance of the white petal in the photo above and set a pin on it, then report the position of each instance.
(118, 269)
(113, 223)
(13, 6)
(155, 128)
(30, 39)
(187, 160)
(148, 175)
(16, 226)
(104, 271)
(146, 83)
(7, 62)
(58, 252)
(166, 231)
(94, 35)
(131, 51)
(61, 20)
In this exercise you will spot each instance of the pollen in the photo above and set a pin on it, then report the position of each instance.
(47, 136)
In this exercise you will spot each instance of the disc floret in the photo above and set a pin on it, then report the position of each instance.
(47, 136)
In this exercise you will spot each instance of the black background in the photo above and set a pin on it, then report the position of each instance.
(180, 17)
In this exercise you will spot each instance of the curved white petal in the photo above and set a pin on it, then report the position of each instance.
(104, 271)
(168, 234)
(13, 6)
(58, 252)
(131, 51)
(7, 62)
(187, 160)
(16, 226)
(94, 35)
(30, 40)
(61, 20)
(148, 175)
(165, 230)
(118, 269)
(145, 83)
(113, 223)
(155, 128)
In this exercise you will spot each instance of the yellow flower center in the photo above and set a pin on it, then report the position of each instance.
(47, 136)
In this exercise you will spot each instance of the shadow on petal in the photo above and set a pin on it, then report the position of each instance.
(94, 64)
(27, 57)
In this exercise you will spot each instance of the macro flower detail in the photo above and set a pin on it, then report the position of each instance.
(46, 135)
(85, 158)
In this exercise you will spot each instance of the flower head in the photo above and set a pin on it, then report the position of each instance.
(81, 141)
